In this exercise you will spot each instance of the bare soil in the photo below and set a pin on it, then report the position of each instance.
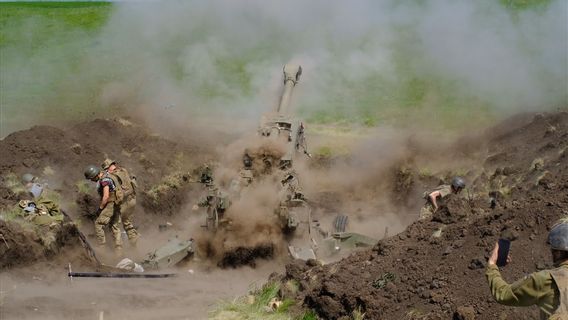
(431, 270)
(435, 269)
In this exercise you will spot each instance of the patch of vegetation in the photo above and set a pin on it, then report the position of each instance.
(324, 152)
(12, 182)
(172, 181)
(52, 39)
(309, 315)
(83, 186)
(358, 314)
(12, 214)
(262, 303)
(425, 173)
(524, 4)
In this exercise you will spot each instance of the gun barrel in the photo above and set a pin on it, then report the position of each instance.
(291, 77)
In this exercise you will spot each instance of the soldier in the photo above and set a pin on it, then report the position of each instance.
(440, 192)
(548, 289)
(206, 176)
(43, 201)
(216, 203)
(47, 220)
(109, 205)
(32, 185)
(42, 210)
(126, 207)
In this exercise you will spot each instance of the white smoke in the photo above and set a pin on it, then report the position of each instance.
(180, 61)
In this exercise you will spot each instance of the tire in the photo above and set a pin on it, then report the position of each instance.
(340, 223)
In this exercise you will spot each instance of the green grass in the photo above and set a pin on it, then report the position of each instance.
(255, 306)
(524, 4)
(43, 46)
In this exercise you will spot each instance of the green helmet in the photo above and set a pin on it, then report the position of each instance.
(91, 172)
(558, 236)
(28, 178)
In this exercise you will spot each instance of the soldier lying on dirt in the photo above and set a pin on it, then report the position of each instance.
(440, 192)
(46, 218)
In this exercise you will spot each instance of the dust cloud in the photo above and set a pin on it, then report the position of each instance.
(218, 63)
(207, 70)
(48, 294)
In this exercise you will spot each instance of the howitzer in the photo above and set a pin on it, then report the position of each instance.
(280, 125)
(90, 251)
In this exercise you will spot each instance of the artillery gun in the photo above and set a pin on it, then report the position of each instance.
(306, 239)
(280, 126)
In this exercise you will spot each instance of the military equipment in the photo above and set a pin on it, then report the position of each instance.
(71, 274)
(91, 172)
(306, 239)
(119, 275)
(168, 255)
(90, 251)
(280, 126)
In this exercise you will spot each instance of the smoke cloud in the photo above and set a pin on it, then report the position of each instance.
(373, 62)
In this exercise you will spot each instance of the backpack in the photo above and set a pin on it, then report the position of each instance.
(125, 182)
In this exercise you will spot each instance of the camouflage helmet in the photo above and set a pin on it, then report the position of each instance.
(91, 171)
(458, 183)
(107, 163)
(558, 236)
(28, 178)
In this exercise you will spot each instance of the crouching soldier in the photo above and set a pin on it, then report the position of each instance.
(440, 192)
(128, 185)
(109, 206)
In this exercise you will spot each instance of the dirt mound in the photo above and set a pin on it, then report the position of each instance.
(435, 269)
(18, 246)
(58, 157)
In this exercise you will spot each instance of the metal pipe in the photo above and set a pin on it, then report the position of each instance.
(119, 275)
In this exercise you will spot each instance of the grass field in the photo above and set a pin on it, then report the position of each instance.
(55, 64)
(41, 45)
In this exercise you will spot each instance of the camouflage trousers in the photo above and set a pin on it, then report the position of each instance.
(126, 214)
(109, 216)
(427, 211)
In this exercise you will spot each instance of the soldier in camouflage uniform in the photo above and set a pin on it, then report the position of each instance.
(42, 211)
(440, 192)
(46, 218)
(108, 211)
(548, 289)
(127, 205)
(217, 204)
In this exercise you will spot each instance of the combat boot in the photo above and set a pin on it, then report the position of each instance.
(118, 251)
(133, 239)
